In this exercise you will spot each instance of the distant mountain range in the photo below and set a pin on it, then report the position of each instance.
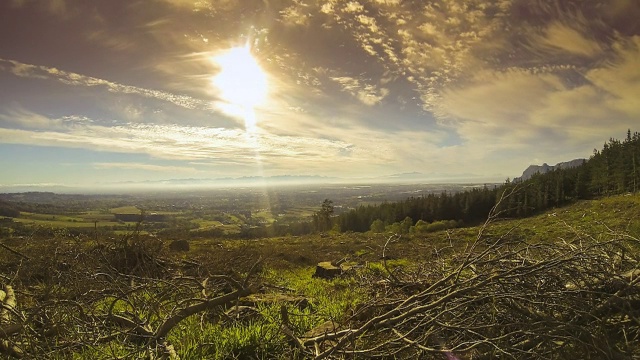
(240, 181)
(281, 180)
(545, 168)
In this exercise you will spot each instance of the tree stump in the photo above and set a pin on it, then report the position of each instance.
(326, 270)
(179, 245)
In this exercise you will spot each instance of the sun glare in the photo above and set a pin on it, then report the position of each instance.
(241, 83)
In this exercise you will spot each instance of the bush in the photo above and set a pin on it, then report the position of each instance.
(422, 227)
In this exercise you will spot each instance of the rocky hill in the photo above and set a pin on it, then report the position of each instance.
(545, 168)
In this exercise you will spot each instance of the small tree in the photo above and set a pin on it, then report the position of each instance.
(377, 226)
(405, 225)
(322, 218)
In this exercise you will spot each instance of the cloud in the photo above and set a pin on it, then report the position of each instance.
(369, 22)
(495, 97)
(353, 7)
(202, 5)
(620, 78)
(566, 38)
(143, 167)
(58, 8)
(388, 2)
(166, 141)
(367, 94)
(325, 149)
(525, 113)
(296, 14)
(430, 45)
(25, 119)
(32, 185)
(74, 79)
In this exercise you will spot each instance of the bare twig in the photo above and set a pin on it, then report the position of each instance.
(395, 237)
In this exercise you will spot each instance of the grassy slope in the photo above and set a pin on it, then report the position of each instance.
(289, 262)
(619, 213)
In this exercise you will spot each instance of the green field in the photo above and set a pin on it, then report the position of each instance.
(125, 210)
(264, 215)
(206, 224)
(62, 221)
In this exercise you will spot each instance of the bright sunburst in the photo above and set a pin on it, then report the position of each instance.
(241, 83)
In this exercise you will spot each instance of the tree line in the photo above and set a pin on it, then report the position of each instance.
(614, 169)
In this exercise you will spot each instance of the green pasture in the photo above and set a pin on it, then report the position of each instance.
(125, 210)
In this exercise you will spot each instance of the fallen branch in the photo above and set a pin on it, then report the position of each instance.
(184, 313)
(16, 252)
(8, 330)
(8, 308)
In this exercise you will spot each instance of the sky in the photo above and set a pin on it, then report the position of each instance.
(105, 92)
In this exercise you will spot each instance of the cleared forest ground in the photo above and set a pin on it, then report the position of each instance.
(561, 284)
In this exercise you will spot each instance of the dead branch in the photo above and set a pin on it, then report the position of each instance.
(15, 252)
(8, 330)
(171, 322)
(8, 305)
(394, 237)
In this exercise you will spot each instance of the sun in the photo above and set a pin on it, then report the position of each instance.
(241, 83)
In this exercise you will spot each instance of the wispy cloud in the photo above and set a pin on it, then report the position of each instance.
(367, 94)
(491, 115)
(329, 151)
(562, 37)
(620, 77)
(58, 8)
(202, 5)
(296, 14)
(167, 141)
(144, 167)
(32, 185)
(22, 118)
(74, 79)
